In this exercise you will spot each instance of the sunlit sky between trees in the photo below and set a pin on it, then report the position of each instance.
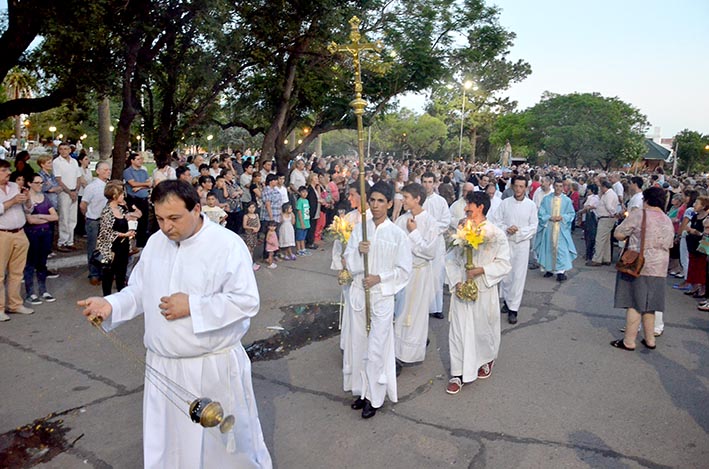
(649, 53)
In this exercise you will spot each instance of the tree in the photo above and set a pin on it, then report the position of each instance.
(578, 129)
(295, 82)
(692, 151)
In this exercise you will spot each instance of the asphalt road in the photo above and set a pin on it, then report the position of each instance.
(559, 395)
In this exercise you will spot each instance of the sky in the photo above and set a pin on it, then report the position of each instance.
(652, 54)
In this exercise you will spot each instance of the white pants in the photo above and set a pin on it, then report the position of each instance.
(684, 256)
(512, 286)
(67, 219)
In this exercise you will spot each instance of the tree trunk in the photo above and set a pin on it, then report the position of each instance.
(105, 136)
(18, 129)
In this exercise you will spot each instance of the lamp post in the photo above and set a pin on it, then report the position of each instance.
(209, 142)
(52, 129)
(466, 86)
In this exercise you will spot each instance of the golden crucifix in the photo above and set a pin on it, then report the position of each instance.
(354, 48)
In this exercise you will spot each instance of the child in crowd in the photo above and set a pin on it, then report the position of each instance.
(271, 243)
(286, 234)
(252, 225)
(302, 222)
(213, 211)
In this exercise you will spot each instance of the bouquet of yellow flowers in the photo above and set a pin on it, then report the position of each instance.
(341, 229)
(469, 237)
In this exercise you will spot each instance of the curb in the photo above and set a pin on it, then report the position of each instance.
(67, 262)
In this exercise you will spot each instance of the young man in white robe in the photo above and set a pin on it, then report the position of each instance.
(411, 314)
(197, 292)
(389, 262)
(437, 207)
(517, 217)
(474, 335)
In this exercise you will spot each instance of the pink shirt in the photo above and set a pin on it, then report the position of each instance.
(659, 237)
(14, 217)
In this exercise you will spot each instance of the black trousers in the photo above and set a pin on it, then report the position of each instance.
(589, 234)
(116, 269)
(141, 234)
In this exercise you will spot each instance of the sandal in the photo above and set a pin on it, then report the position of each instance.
(647, 345)
(621, 345)
(454, 385)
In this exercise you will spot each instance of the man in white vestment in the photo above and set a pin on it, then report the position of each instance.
(389, 258)
(517, 217)
(474, 335)
(411, 314)
(437, 207)
(457, 208)
(196, 290)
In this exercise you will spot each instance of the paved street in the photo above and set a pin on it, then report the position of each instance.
(559, 395)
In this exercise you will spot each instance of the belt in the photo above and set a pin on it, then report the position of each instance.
(16, 230)
(605, 217)
(92, 219)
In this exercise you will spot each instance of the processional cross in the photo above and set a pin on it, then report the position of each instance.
(354, 48)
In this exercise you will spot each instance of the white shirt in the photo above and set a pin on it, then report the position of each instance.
(13, 217)
(68, 170)
(539, 196)
(298, 178)
(636, 201)
(94, 198)
(88, 177)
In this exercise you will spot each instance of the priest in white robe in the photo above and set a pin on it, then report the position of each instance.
(411, 314)
(389, 257)
(437, 207)
(474, 335)
(517, 217)
(196, 290)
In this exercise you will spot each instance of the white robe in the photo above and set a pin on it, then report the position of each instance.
(353, 217)
(523, 215)
(368, 367)
(411, 313)
(474, 336)
(437, 207)
(202, 352)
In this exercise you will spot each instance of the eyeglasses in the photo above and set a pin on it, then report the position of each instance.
(36, 182)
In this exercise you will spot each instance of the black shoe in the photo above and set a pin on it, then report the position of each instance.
(313, 247)
(533, 266)
(398, 368)
(512, 317)
(561, 277)
(52, 274)
(358, 404)
(437, 315)
(368, 411)
(548, 274)
(428, 342)
(504, 309)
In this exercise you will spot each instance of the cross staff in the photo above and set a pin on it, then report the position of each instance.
(354, 48)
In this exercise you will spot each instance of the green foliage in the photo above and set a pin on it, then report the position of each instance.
(576, 129)
(692, 151)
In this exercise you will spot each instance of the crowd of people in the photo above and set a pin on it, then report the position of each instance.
(419, 217)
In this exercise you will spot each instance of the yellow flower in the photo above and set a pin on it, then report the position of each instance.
(470, 235)
(341, 229)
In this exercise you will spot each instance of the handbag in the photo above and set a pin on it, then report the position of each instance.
(632, 262)
(704, 245)
(98, 260)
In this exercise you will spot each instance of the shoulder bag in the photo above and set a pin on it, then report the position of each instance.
(632, 262)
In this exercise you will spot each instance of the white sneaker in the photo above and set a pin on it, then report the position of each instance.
(255, 266)
(33, 300)
(22, 310)
(272, 266)
(4, 317)
(46, 296)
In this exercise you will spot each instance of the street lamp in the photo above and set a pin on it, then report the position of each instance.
(466, 86)
(111, 128)
(52, 129)
(209, 145)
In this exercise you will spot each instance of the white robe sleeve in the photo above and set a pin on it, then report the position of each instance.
(237, 297)
(530, 228)
(337, 253)
(396, 279)
(424, 242)
(455, 268)
(500, 266)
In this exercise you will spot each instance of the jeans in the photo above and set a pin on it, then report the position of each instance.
(40, 247)
(92, 228)
(589, 234)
